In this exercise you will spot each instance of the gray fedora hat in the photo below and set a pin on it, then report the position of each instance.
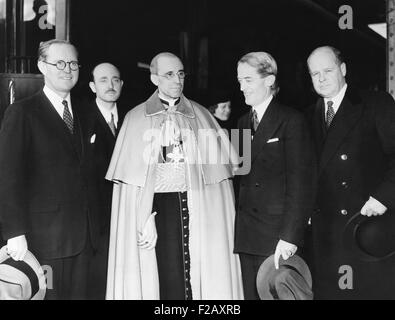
(292, 281)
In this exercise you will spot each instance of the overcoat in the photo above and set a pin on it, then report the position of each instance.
(215, 269)
(356, 160)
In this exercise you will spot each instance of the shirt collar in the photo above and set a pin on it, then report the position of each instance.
(262, 107)
(107, 113)
(53, 96)
(57, 100)
(337, 100)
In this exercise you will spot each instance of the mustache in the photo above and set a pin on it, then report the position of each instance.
(111, 91)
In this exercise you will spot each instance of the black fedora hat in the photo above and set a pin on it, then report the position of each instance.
(292, 280)
(21, 280)
(370, 238)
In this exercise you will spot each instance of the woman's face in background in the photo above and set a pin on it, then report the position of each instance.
(223, 110)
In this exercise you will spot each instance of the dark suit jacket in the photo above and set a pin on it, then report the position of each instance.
(43, 191)
(98, 157)
(356, 159)
(275, 198)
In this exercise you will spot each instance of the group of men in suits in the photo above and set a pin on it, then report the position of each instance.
(334, 167)
(53, 156)
(337, 162)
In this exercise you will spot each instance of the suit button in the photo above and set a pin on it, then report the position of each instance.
(257, 185)
(344, 212)
(344, 157)
(317, 211)
(344, 185)
(255, 210)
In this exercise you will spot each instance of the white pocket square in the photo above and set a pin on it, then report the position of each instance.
(93, 138)
(273, 140)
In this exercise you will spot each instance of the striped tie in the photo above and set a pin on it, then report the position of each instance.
(67, 117)
(330, 113)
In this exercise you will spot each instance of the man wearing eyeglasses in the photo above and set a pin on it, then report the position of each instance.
(43, 191)
(173, 213)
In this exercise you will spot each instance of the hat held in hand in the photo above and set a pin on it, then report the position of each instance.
(292, 280)
(370, 239)
(21, 280)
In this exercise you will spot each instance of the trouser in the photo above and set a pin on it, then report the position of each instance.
(97, 278)
(249, 269)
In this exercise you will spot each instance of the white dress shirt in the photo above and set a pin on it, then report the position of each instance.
(107, 113)
(56, 101)
(262, 107)
(337, 100)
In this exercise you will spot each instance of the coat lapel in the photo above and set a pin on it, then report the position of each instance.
(319, 128)
(77, 138)
(267, 127)
(104, 126)
(349, 113)
(58, 127)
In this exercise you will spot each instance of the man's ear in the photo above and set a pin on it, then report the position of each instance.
(92, 86)
(42, 67)
(154, 79)
(270, 80)
(343, 69)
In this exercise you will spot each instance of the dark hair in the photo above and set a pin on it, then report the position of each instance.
(212, 108)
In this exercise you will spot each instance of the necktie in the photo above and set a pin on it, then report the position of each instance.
(67, 117)
(254, 120)
(330, 113)
(111, 124)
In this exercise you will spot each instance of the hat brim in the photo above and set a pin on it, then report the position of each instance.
(267, 270)
(31, 260)
(353, 228)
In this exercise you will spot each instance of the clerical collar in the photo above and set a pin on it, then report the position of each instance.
(170, 103)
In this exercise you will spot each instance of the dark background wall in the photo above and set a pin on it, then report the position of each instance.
(128, 32)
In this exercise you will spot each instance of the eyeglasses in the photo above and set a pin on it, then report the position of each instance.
(170, 75)
(61, 65)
